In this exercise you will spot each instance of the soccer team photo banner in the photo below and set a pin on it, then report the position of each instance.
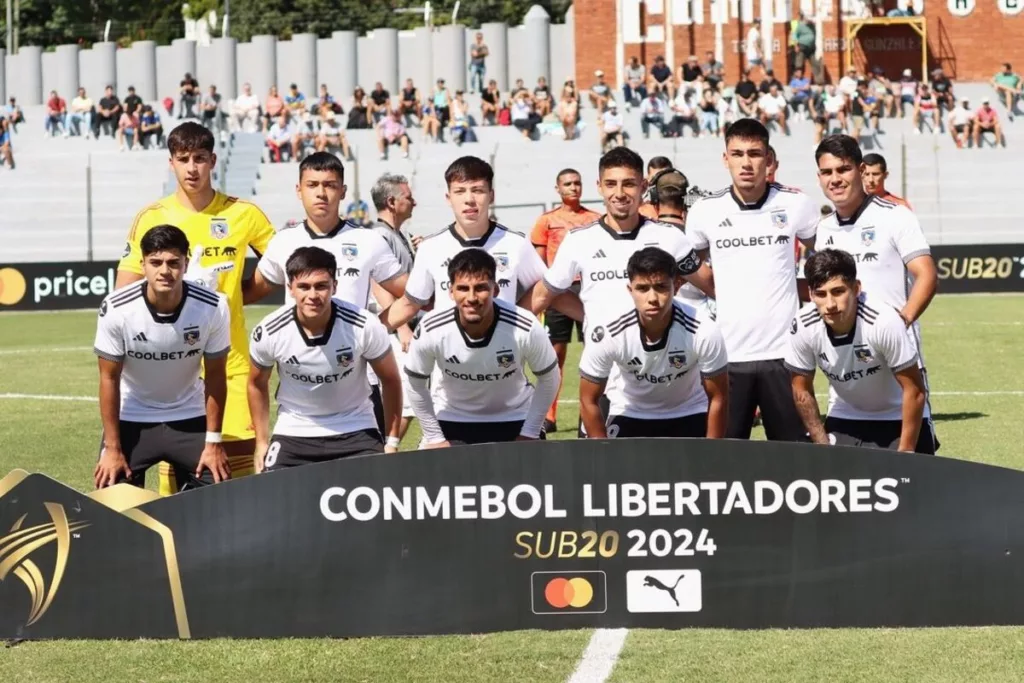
(631, 533)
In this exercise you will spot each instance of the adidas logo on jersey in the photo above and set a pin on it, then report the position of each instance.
(725, 224)
(292, 361)
(599, 254)
(140, 337)
(830, 242)
(635, 362)
(454, 360)
(823, 358)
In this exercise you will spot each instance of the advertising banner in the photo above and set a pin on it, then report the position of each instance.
(968, 268)
(653, 533)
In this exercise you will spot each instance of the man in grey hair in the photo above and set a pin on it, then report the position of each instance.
(392, 197)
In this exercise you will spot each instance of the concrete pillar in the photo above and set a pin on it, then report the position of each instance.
(344, 65)
(3, 77)
(224, 58)
(450, 57)
(264, 66)
(563, 56)
(144, 56)
(183, 59)
(67, 71)
(496, 39)
(537, 30)
(303, 66)
(30, 70)
(417, 59)
(50, 75)
(104, 65)
(167, 75)
(385, 47)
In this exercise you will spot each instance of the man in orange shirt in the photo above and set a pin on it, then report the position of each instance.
(546, 236)
(874, 174)
(654, 167)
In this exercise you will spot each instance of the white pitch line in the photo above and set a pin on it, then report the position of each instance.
(47, 349)
(600, 657)
(50, 397)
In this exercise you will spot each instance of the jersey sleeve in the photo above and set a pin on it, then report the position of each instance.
(261, 231)
(530, 269)
(420, 286)
(807, 218)
(376, 343)
(710, 347)
(563, 271)
(420, 359)
(909, 238)
(261, 350)
(684, 252)
(220, 331)
(109, 343)
(131, 257)
(271, 263)
(800, 354)
(539, 234)
(696, 225)
(892, 340)
(539, 353)
(385, 263)
(597, 360)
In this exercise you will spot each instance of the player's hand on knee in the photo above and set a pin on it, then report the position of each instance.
(215, 459)
(259, 457)
(111, 465)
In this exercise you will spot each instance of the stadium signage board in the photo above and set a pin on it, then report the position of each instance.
(573, 534)
(969, 268)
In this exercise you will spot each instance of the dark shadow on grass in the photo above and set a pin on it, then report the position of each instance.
(956, 417)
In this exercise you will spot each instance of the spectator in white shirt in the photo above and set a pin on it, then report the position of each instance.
(773, 107)
(81, 111)
(611, 126)
(961, 123)
(245, 112)
(684, 113)
(635, 82)
(728, 109)
(848, 83)
(754, 50)
(284, 134)
(652, 113)
(835, 107)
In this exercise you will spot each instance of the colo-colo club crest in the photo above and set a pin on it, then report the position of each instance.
(344, 357)
(506, 358)
(191, 335)
(218, 228)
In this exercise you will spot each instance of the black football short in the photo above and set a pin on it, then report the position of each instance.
(764, 384)
(460, 433)
(292, 451)
(180, 443)
(692, 426)
(879, 434)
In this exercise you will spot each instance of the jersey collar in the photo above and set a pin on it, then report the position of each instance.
(750, 207)
(168, 319)
(856, 214)
(323, 338)
(616, 235)
(844, 340)
(476, 241)
(661, 343)
(478, 343)
(314, 235)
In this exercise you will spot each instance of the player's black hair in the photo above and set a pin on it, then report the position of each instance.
(468, 169)
(651, 261)
(472, 261)
(565, 172)
(621, 157)
(658, 164)
(747, 129)
(826, 264)
(841, 147)
(164, 238)
(322, 161)
(190, 137)
(876, 160)
(308, 259)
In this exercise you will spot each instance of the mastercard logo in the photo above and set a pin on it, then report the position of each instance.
(580, 592)
(12, 286)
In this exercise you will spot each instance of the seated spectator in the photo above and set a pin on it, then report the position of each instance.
(272, 108)
(943, 89)
(524, 118)
(428, 121)
(391, 131)
(688, 72)
(713, 70)
(410, 104)
(14, 115)
(708, 107)
(56, 115)
(986, 120)
(108, 115)
(127, 129)
(284, 134)
(634, 86)
(380, 104)
(816, 110)
(490, 103)
(1008, 87)
(211, 118)
(835, 107)
(519, 86)
(295, 101)
(81, 112)
(6, 151)
(728, 109)
(600, 92)
(848, 83)
(746, 95)
(325, 103)
(568, 112)
(358, 111)
(926, 105)
(661, 77)
(862, 108)
(767, 82)
(188, 97)
(245, 111)
(799, 91)
(150, 128)
(882, 90)
(773, 107)
(442, 103)
(460, 123)
(132, 102)
(961, 124)
(611, 125)
(908, 91)
(542, 98)
(652, 113)
(684, 113)
(332, 135)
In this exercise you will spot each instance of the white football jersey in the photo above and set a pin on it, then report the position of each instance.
(481, 380)
(323, 389)
(660, 380)
(859, 365)
(598, 255)
(362, 255)
(753, 252)
(162, 354)
(519, 266)
(883, 237)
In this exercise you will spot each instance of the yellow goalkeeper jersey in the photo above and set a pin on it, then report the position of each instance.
(226, 230)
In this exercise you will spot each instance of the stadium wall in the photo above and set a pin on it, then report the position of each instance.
(536, 48)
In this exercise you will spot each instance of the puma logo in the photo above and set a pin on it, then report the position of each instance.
(650, 581)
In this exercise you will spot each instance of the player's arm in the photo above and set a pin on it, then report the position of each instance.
(912, 383)
(807, 222)
(417, 290)
(900, 354)
(595, 366)
(112, 461)
(418, 366)
(807, 406)
(261, 236)
(717, 390)
(529, 272)
(702, 278)
(129, 268)
(541, 358)
(557, 280)
(714, 375)
(256, 287)
(215, 382)
(258, 392)
(377, 351)
(926, 282)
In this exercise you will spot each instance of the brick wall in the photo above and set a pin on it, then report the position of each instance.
(968, 48)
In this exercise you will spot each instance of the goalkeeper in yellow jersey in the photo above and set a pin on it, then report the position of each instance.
(221, 230)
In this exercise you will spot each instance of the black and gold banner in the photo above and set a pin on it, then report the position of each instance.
(635, 533)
